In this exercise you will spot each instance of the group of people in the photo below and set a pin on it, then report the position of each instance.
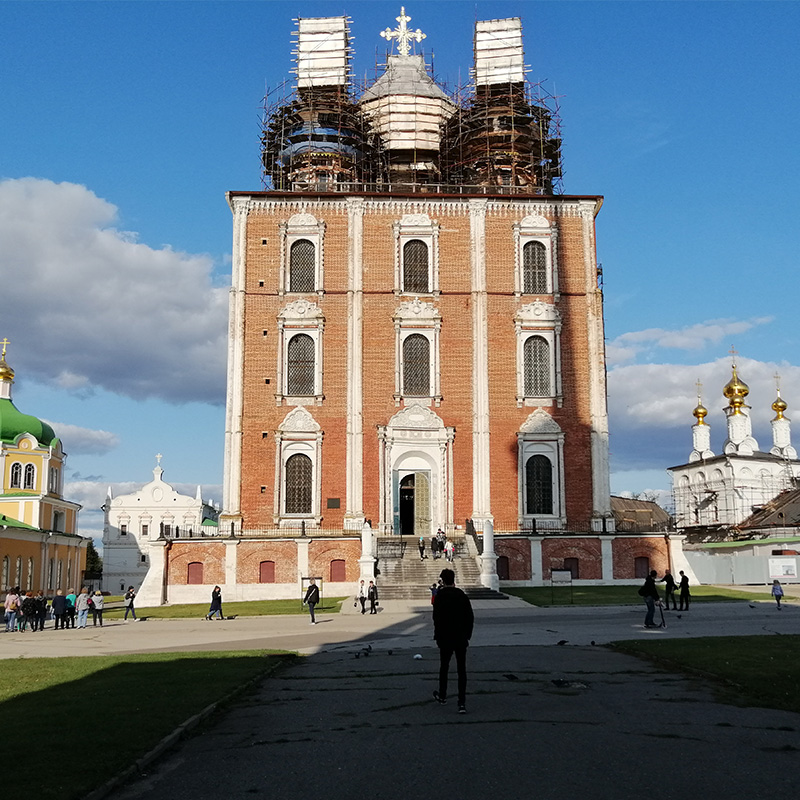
(27, 610)
(440, 545)
(365, 593)
(649, 592)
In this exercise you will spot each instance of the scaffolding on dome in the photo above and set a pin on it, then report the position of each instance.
(499, 134)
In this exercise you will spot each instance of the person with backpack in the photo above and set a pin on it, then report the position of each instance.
(41, 610)
(97, 608)
(311, 599)
(649, 592)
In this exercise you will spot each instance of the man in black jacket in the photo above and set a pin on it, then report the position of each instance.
(452, 629)
(312, 598)
(650, 594)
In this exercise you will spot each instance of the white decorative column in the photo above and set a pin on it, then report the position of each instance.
(488, 558)
(232, 471)
(354, 512)
(366, 563)
(481, 454)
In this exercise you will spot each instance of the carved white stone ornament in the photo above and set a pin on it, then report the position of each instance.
(416, 416)
(299, 420)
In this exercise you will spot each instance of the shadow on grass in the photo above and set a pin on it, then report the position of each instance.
(622, 595)
(98, 715)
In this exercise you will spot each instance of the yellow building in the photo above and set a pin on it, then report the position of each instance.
(39, 546)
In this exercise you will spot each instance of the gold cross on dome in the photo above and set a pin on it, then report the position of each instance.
(733, 352)
(158, 458)
(699, 390)
(403, 34)
(777, 381)
(5, 344)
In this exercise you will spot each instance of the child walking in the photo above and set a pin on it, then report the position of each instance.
(777, 592)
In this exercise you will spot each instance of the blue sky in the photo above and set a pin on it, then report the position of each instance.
(124, 123)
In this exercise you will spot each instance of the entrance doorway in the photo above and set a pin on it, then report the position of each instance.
(415, 505)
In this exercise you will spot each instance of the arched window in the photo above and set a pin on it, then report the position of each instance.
(539, 485)
(51, 574)
(194, 573)
(302, 266)
(30, 477)
(300, 366)
(415, 267)
(29, 581)
(60, 575)
(416, 366)
(338, 572)
(266, 572)
(16, 475)
(537, 367)
(298, 484)
(6, 576)
(534, 268)
(18, 574)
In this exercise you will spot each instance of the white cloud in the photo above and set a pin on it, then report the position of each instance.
(86, 305)
(692, 337)
(650, 408)
(82, 441)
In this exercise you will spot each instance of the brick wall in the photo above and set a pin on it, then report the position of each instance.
(627, 549)
(518, 552)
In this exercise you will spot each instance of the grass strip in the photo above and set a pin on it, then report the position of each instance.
(748, 670)
(99, 714)
(247, 608)
(623, 595)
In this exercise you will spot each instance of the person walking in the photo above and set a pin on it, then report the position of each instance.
(361, 596)
(453, 621)
(434, 547)
(216, 604)
(129, 598)
(777, 592)
(82, 607)
(422, 555)
(669, 590)
(60, 610)
(372, 594)
(97, 608)
(11, 608)
(28, 611)
(450, 551)
(650, 594)
(311, 599)
(683, 586)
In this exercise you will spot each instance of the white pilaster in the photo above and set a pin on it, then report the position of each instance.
(607, 558)
(537, 576)
(232, 474)
(601, 483)
(481, 454)
(367, 561)
(354, 513)
(231, 554)
(302, 558)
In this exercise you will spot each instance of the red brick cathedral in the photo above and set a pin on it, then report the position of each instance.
(416, 332)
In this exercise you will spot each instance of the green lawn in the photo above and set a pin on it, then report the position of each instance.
(749, 670)
(95, 716)
(622, 595)
(249, 608)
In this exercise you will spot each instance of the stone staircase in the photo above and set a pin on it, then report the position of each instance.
(403, 576)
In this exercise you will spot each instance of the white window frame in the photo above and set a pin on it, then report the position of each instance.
(422, 227)
(29, 469)
(299, 433)
(299, 316)
(540, 434)
(20, 482)
(535, 228)
(302, 226)
(416, 317)
(539, 319)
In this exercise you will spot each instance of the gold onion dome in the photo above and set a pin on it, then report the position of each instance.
(736, 390)
(779, 406)
(700, 412)
(6, 373)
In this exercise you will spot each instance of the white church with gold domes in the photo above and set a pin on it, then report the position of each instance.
(716, 492)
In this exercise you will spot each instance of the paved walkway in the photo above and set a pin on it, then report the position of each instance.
(557, 722)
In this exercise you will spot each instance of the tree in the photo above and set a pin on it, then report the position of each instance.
(94, 564)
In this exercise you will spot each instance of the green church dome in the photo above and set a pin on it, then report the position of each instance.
(13, 422)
